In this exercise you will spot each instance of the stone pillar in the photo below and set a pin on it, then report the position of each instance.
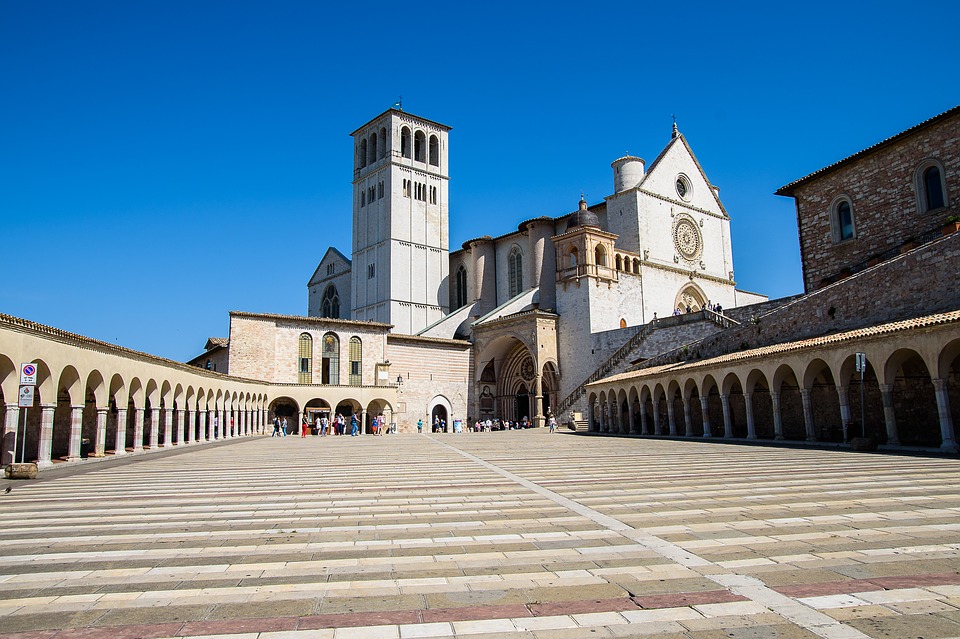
(46, 436)
(947, 435)
(777, 417)
(363, 422)
(889, 415)
(657, 419)
(671, 418)
(11, 426)
(137, 430)
(751, 424)
(808, 415)
(644, 426)
(727, 424)
(100, 447)
(154, 428)
(181, 425)
(167, 427)
(538, 418)
(120, 448)
(191, 426)
(76, 429)
(203, 425)
(632, 417)
(705, 409)
(687, 423)
(845, 412)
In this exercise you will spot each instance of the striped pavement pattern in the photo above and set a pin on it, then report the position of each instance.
(508, 534)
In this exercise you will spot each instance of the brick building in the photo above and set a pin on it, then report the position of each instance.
(887, 198)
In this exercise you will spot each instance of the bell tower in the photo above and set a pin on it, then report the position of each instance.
(401, 255)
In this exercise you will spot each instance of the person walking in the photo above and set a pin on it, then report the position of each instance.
(276, 427)
(354, 425)
(553, 423)
(304, 427)
(283, 427)
(420, 426)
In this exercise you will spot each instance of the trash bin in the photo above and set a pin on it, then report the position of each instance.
(84, 448)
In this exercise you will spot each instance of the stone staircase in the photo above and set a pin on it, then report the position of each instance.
(619, 362)
(609, 367)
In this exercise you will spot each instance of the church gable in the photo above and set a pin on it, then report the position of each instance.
(334, 263)
(677, 175)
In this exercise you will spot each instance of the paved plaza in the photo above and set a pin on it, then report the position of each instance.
(509, 534)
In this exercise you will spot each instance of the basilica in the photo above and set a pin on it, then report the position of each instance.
(507, 326)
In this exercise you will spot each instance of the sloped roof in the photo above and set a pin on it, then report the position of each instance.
(316, 273)
(789, 189)
(216, 342)
(788, 347)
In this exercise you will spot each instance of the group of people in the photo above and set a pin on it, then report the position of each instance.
(323, 426)
(716, 308)
(486, 426)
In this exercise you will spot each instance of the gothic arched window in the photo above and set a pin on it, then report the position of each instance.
(356, 361)
(515, 271)
(405, 142)
(419, 146)
(330, 369)
(434, 151)
(362, 159)
(461, 287)
(372, 149)
(330, 306)
(383, 143)
(305, 370)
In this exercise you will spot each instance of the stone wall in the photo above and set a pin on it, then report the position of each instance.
(920, 282)
(432, 370)
(882, 190)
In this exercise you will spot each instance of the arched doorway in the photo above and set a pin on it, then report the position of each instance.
(439, 420)
(521, 404)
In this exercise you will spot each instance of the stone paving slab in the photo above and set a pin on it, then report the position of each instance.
(514, 534)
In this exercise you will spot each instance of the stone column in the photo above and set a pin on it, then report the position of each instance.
(191, 426)
(705, 409)
(777, 417)
(631, 418)
(100, 447)
(644, 427)
(76, 429)
(154, 428)
(751, 424)
(181, 426)
(947, 436)
(203, 425)
(687, 423)
(363, 422)
(808, 415)
(46, 436)
(845, 412)
(120, 448)
(727, 424)
(671, 418)
(538, 418)
(889, 415)
(138, 430)
(167, 427)
(11, 426)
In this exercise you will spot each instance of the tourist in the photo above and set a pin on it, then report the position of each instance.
(354, 425)
(276, 427)
(283, 427)
(553, 423)
(303, 427)
(420, 426)
(323, 426)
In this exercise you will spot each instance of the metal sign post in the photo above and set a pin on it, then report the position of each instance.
(28, 382)
(862, 369)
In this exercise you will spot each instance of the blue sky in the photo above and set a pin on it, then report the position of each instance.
(163, 163)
